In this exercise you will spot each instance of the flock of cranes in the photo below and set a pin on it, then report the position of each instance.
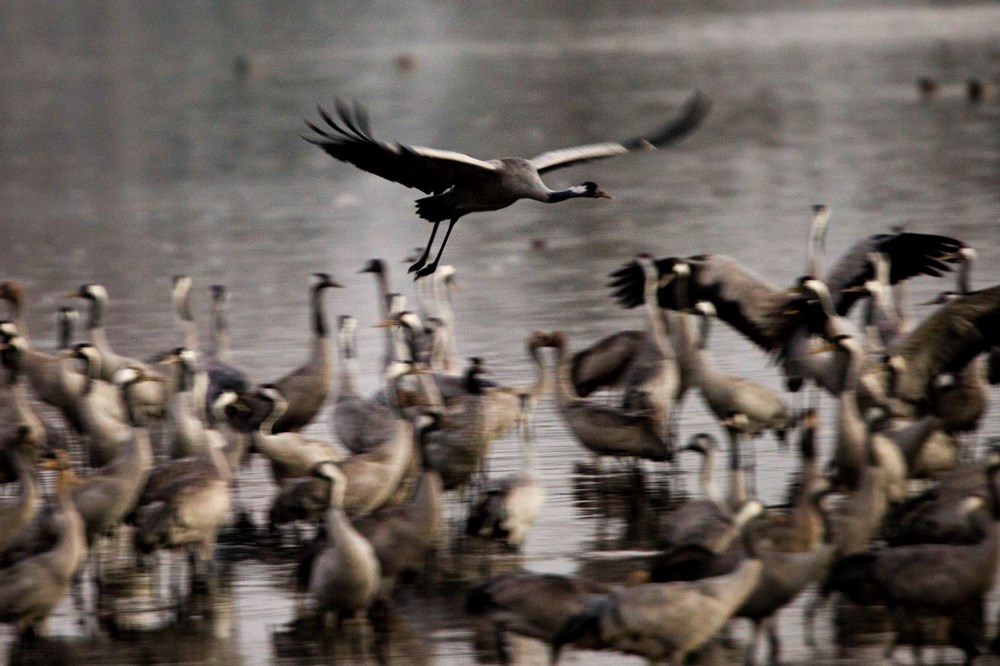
(148, 453)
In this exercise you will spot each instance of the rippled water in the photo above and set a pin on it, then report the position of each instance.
(130, 151)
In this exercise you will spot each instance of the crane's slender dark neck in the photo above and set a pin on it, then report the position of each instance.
(706, 327)
(575, 192)
(65, 331)
(320, 327)
(96, 317)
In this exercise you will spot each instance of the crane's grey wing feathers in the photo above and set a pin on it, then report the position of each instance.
(909, 255)
(555, 159)
(348, 139)
(741, 298)
(955, 334)
(689, 118)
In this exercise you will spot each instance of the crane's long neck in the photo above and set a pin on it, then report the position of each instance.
(348, 366)
(565, 391)
(705, 371)
(321, 356)
(182, 309)
(817, 239)
(528, 448)
(445, 333)
(91, 372)
(428, 499)
(555, 196)
(657, 325)
(216, 452)
(71, 544)
(19, 512)
(267, 425)
(19, 311)
(963, 277)
(95, 325)
(65, 331)
(541, 384)
(706, 477)
(737, 478)
(220, 329)
(852, 428)
(320, 327)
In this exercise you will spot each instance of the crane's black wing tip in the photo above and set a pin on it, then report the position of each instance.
(351, 124)
(691, 115)
(626, 285)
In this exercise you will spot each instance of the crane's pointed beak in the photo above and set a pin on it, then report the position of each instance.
(601, 194)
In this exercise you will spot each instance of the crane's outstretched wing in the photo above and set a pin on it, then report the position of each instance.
(741, 299)
(953, 335)
(690, 116)
(429, 170)
(909, 255)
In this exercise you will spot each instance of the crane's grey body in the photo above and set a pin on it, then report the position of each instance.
(459, 184)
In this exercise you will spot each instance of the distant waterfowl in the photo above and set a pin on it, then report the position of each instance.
(802, 527)
(291, 454)
(222, 375)
(710, 523)
(16, 410)
(604, 430)
(186, 418)
(374, 476)
(726, 395)
(66, 318)
(948, 580)
(103, 416)
(380, 270)
(664, 621)
(961, 397)
(946, 512)
(150, 395)
(507, 508)
(774, 320)
(18, 511)
(604, 363)
(405, 537)
(458, 443)
(52, 378)
(532, 604)
(652, 382)
(164, 477)
(945, 342)
(855, 432)
(345, 575)
(359, 423)
(307, 387)
(111, 492)
(190, 511)
(459, 184)
(32, 587)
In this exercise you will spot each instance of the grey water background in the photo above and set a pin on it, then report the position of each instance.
(133, 148)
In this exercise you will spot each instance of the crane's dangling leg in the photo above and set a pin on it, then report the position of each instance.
(427, 270)
(419, 263)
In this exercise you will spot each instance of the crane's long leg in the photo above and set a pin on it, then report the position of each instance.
(427, 270)
(419, 263)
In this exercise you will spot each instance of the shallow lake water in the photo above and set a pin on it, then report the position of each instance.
(139, 141)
